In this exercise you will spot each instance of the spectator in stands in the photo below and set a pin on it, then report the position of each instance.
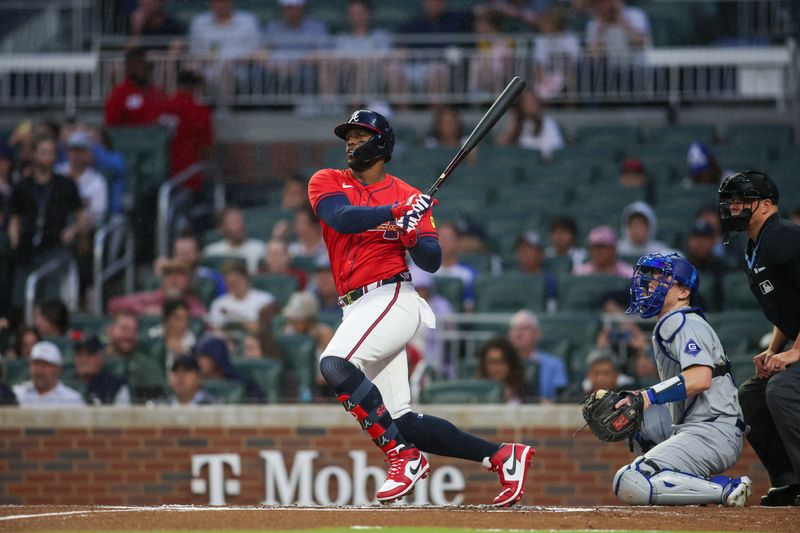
(92, 186)
(700, 250)
(186, 249)
(235, 241)
(242, 304)
(526, 12)
(174, 331)
(45, 387)
(564, 243)
(8, 179)
(530, 258)
(601, 373)
(176, 283)
(603, 259)
(294, 194)
(101, 386)
(44, 209)
(25, 339)
(452, 266)
(287, 40)
(621, 336)
(360, 54)
(111, 164)
(490, 67)
(631, 173)
(556, 51)
(51, 318)
(323, 287)
(214, 360)
(308, 236)
(500, 362)
(638, 226)
(447, 130)
(529, 127)
(251, 347)
(151, 21)
(141, 368)
(186, 383)
(277, 261)
(194, 128)
(704, 169)
(302, 318)
(7, 396)
(794, 216)
(524, 335)
(616, 31)
(135, 101)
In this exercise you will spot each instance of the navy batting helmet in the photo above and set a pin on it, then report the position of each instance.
(748, 186)
(648, 302)
(379, 145)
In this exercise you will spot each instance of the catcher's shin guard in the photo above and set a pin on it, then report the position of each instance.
(362, 399)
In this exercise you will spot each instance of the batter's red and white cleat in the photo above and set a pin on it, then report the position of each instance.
(406, 467)
(511, 462)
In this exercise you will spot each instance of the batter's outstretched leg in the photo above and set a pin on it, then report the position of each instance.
(362, 399)
(438, 436)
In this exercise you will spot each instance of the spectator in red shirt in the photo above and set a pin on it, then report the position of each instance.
(194, 133)
(176, 284)
(135, 101)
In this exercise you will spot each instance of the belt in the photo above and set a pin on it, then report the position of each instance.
(355, 294)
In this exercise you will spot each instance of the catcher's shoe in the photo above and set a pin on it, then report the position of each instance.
(738, 491)
(406, 467)
(511, 462)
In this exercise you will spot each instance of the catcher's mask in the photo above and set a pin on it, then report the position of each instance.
(664, 270)
(379, 146)
(743, 187)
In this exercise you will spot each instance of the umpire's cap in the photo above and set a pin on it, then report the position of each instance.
(750, 185)
(380, 145)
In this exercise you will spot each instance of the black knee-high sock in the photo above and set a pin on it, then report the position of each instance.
(361, 398)
(440, 437)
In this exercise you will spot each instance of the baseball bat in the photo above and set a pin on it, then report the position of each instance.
(487, 122)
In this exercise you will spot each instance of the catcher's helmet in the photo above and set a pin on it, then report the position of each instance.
(747, 186)
(379, 145)
(673, 268)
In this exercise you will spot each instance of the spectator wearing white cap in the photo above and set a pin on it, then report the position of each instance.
(602, 244)
(45, 388)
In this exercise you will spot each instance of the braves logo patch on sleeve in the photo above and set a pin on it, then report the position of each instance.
(692, 348)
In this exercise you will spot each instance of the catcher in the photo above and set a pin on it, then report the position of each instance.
(707, 426)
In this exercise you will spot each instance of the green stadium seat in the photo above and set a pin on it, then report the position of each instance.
(299, 354)
(227, 391)
(15, 371)
(681, 135)
(582, 293)
(740, 331)
(279, 285)
(452, 289)
(216, 261)
(479, 261)
(146, 151)
(627, 135)
(306, 264)
(736, 293)
(265, 372)
(509, 293)
(466, 391)
(558, 264)
(87, 322)
(774, 138)
(261, 220)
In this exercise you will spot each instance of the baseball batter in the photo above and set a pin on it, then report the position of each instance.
(369, 220)
(698, 387)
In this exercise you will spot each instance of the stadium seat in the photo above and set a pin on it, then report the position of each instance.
(466, 391)
(774, 138)
(627, 135)
(736, 293)
(15, 371)
(681, 135)
(89, 323)
(146, 151)
(740, 331)
(299, 354)
(265, 372)
(558, 264)
(229, 392)
(452, 289)
(261, 220)
(279, 285)
(216, 261)
(582, 293)
(509, 293)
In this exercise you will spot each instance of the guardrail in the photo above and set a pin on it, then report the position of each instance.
(409, 76)
(113, 244)
(63, 265)
(165, 205)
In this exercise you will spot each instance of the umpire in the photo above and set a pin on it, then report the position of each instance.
(748, 201)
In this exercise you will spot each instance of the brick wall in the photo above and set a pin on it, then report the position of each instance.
(143, 456)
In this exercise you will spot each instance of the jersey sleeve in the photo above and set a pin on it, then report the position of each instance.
(323, 184)
(693, 345)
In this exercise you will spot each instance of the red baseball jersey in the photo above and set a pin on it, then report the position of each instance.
(358, 259)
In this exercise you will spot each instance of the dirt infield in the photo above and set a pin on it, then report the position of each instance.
(102, 518)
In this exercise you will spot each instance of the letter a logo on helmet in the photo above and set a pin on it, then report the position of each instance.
(380, 145)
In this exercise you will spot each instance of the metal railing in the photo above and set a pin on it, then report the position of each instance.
(114, 248)
(166, 211)
(64, 266)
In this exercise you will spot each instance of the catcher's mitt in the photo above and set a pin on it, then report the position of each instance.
(609, 423)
